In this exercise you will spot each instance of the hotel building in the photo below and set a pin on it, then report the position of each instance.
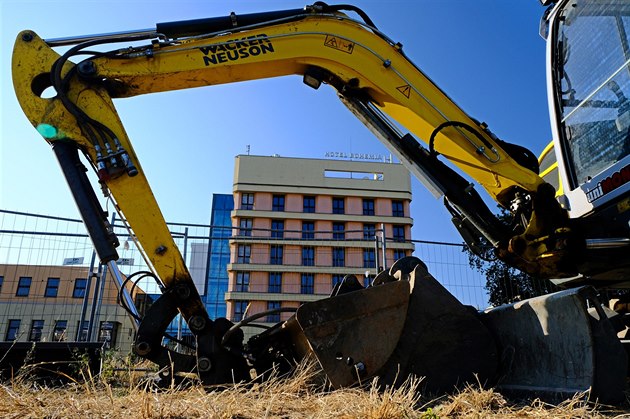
(300, 225)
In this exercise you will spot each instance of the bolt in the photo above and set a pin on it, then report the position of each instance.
(204, 364)
(517, 245)
(27, 37)
(142, 348)
(387, 63)
(87, 68)
(349, 361)
(160, 250)
(197, 323)
(182, 292)
(359, 367)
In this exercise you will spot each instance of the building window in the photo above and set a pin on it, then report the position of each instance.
(278, 203)
(338, 231)
(52, 287)
(273, 317)
(35, 335)
(276, 255)
(242, 282)
(247, 201)
(13, 329)
(308, 256)
(336, 279)
(309, 204)
(245, 227)
(79, 288)
(60, 330)
(275, 282)
(369, 231)
(368, 207)
(399, 233)
(308, 230)
(244, 253)
(1, 282)
(240, 308)
(307, 284)
(339, 256)
(338, 206)
(369, 258)
(277, 229)
(83, 329)
(399, 254)
(24, 286)
(107, 334)
(398, 209)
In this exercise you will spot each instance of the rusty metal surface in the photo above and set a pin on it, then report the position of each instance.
(552, 345)
(352, 335)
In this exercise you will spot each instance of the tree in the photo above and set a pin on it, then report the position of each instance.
(506, 284)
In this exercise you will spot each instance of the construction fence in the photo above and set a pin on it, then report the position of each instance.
(53, 288)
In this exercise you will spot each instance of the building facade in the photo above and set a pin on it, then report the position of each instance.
(301, 225)
(55, 304)
(218, 255)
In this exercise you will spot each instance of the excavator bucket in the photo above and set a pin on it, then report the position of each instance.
(396, 329)
(443, 340)
(353, 334)
(551, 346)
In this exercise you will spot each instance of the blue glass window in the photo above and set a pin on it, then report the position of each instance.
(278, 203)
(24, 286)
(275, 282)
(309, 204)
(308, 256)
(276, 255)
(308, 284)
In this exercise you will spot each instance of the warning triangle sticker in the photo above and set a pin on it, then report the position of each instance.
(405, 90)
(331, 42)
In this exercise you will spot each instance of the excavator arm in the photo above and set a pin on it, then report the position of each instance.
(373, 78)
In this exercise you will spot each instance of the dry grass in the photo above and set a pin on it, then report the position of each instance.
(305, 395)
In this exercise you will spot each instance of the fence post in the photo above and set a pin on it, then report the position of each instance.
(384, 246)
(86, 295)
(179, 316)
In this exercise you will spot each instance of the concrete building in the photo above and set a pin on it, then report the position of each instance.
(301, 225)
(47, 303)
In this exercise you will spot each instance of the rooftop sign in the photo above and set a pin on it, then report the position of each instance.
(356, 156)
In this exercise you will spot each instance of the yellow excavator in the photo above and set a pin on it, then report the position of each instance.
(571, 209)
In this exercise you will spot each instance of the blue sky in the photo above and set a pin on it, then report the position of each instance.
(486, 54)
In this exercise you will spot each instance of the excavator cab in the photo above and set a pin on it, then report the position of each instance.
(589, 89)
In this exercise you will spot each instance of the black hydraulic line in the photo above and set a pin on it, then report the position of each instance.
(456, 124)
(458, 192)
(449, 183)
(338, 7)
(253, 317)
